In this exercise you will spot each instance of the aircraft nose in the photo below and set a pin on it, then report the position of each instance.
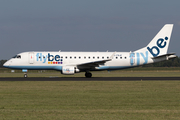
(6, 64)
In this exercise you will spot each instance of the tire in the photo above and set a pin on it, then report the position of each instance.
(25, 76)
(88, 75)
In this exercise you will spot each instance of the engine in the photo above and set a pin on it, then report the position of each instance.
(69, 70)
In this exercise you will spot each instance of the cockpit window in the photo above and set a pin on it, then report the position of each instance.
(14, 56)
(17, 56)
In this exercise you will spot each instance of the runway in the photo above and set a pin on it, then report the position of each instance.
(90, 79)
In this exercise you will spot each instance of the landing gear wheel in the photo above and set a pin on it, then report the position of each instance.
(88, 74)
(25, 76)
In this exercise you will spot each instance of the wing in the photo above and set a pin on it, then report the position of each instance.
(95, 63)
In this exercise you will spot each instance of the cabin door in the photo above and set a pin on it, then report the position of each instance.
(132, 58)
(31, 58)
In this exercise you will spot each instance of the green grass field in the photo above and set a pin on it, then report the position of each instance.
(101, 74)
(133, 72)
(90, 100)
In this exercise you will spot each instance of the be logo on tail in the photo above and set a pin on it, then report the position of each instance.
(155, 50)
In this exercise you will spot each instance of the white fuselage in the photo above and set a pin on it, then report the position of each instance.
(56, 60)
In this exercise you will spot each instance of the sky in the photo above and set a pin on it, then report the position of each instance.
(84, 25)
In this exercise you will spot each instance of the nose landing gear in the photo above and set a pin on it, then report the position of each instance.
(25, 75)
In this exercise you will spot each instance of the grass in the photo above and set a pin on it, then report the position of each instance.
(132, 72)
(90, 100)
(101, 74)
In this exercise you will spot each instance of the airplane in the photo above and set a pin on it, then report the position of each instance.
(69, 63)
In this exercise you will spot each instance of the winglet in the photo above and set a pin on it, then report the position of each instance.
(112, 55)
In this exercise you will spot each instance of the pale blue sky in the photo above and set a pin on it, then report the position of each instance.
(84, 25)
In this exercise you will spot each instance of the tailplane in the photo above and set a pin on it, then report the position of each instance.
(160, 43)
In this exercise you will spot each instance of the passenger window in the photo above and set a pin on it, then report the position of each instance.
(84, 57)
(125, 57)
(74, 57)
(116, 57)
(66, 57)
(102, 57)
(107, 57)
(89, 57)
(97, 57)
(79, 57)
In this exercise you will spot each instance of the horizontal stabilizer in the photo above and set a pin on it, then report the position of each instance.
(167, 56)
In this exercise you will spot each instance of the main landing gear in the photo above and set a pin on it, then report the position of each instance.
(88, 75)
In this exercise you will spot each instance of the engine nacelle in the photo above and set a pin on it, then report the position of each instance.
(69, 70)
(77, 70)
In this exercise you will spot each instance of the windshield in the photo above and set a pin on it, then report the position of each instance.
(17, 56)
(14, 56)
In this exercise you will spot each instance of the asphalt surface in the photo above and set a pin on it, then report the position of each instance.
(90, 79)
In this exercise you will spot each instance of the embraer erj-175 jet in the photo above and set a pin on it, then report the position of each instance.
(74, 62)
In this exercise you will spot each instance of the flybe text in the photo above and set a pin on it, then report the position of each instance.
(138, 58)
(52, 59)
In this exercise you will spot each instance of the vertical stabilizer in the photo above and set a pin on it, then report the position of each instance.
(160, 43)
